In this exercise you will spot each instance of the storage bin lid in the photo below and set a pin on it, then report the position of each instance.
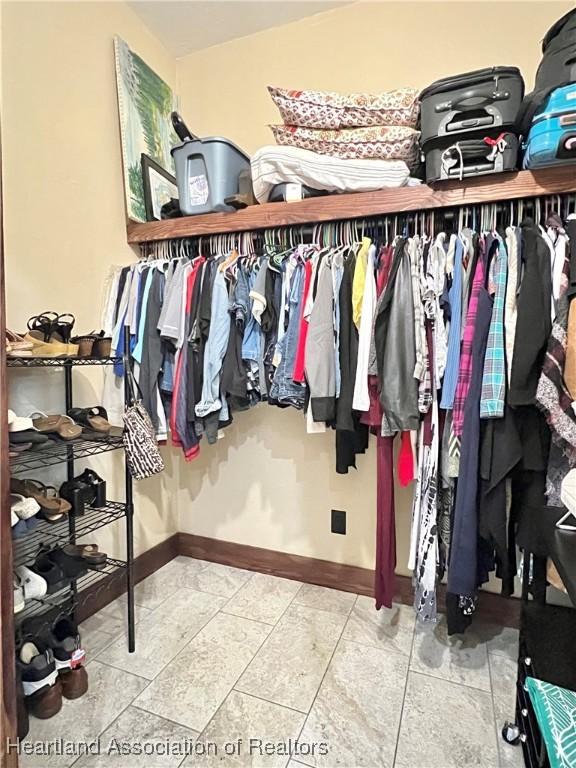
(212, 140)
(469, 78)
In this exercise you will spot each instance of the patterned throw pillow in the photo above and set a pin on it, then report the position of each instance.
(329, 110)
(378, 143)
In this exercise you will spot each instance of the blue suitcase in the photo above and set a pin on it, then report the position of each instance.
(552, 136)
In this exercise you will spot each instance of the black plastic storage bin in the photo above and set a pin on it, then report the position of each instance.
(473, 101)
(460, 158)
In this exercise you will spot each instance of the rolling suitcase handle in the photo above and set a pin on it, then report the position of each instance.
(486, 97)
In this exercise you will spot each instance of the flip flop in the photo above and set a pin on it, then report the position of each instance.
(88, 552)
(95, 418)
(27, 436)
(52, 507)
(63, 426)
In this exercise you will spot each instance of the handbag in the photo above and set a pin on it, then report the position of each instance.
(139, 437)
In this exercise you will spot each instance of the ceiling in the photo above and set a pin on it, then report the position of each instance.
(189, 25)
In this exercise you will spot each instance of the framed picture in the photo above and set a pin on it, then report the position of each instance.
(159, 187)
(145, 103)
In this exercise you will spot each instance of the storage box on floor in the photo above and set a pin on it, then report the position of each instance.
(468, 123)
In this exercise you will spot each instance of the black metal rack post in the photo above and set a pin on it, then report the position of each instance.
(129, 508)
(69, 399)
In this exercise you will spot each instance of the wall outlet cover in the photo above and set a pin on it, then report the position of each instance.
(338, 521)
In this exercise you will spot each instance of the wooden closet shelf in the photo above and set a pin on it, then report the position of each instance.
(484, 189)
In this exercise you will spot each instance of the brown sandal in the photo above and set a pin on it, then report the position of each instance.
(88, 552)
(52, 507)
(95, 418)
(63, 426)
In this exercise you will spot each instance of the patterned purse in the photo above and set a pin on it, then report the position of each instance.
(139, 437)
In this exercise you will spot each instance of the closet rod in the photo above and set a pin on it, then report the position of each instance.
(484, 189)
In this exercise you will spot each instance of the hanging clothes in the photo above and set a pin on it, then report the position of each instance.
(463, 550)
(460, 341)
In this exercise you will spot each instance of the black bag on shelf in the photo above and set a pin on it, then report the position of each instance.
(557, 67)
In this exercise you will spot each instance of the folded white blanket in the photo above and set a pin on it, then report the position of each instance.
(273, 165)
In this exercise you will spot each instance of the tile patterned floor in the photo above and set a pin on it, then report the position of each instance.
(226, 657)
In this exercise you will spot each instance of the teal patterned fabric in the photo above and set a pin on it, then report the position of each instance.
(555, 709)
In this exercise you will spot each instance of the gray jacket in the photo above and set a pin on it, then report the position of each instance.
(319, 362)
(394, 334)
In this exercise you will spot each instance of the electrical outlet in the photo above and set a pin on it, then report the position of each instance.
(338, 521)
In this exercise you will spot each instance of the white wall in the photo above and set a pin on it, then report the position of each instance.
(64, 218)
(268, 483)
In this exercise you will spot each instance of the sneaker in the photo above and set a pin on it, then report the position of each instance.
(18, 594)
(35, 586)
(35, 664)
(63, 638)
(70, 566)
(21, 710)
(50, 572)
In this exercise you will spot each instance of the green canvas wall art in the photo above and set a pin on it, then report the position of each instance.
(145, 102)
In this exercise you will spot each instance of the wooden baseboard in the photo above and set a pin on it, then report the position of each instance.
(98, 596)
(349, 578)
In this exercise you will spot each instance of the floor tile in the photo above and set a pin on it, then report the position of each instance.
(109, 693)
(94, 641)
(290, 665)
(163, 634)
(113, 618)
(263, 598)
(500, 641)
(389, 628)
(503, 673)
(445, 725)
(259, 725)
(134, 729)
(158, 587)
(325, 599)
(196, 682)
(357, 711)
(221, 580)
(458, 659)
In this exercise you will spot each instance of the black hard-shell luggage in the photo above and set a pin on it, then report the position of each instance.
(461, 158)
(474, 101)
(557, 67)
(289, 191)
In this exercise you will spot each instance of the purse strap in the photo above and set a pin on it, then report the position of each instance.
(134, 391)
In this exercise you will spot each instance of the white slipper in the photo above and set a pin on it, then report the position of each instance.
(18, 423)
(18, 594)
(23, 507)
(33, 584)
(568, 490)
